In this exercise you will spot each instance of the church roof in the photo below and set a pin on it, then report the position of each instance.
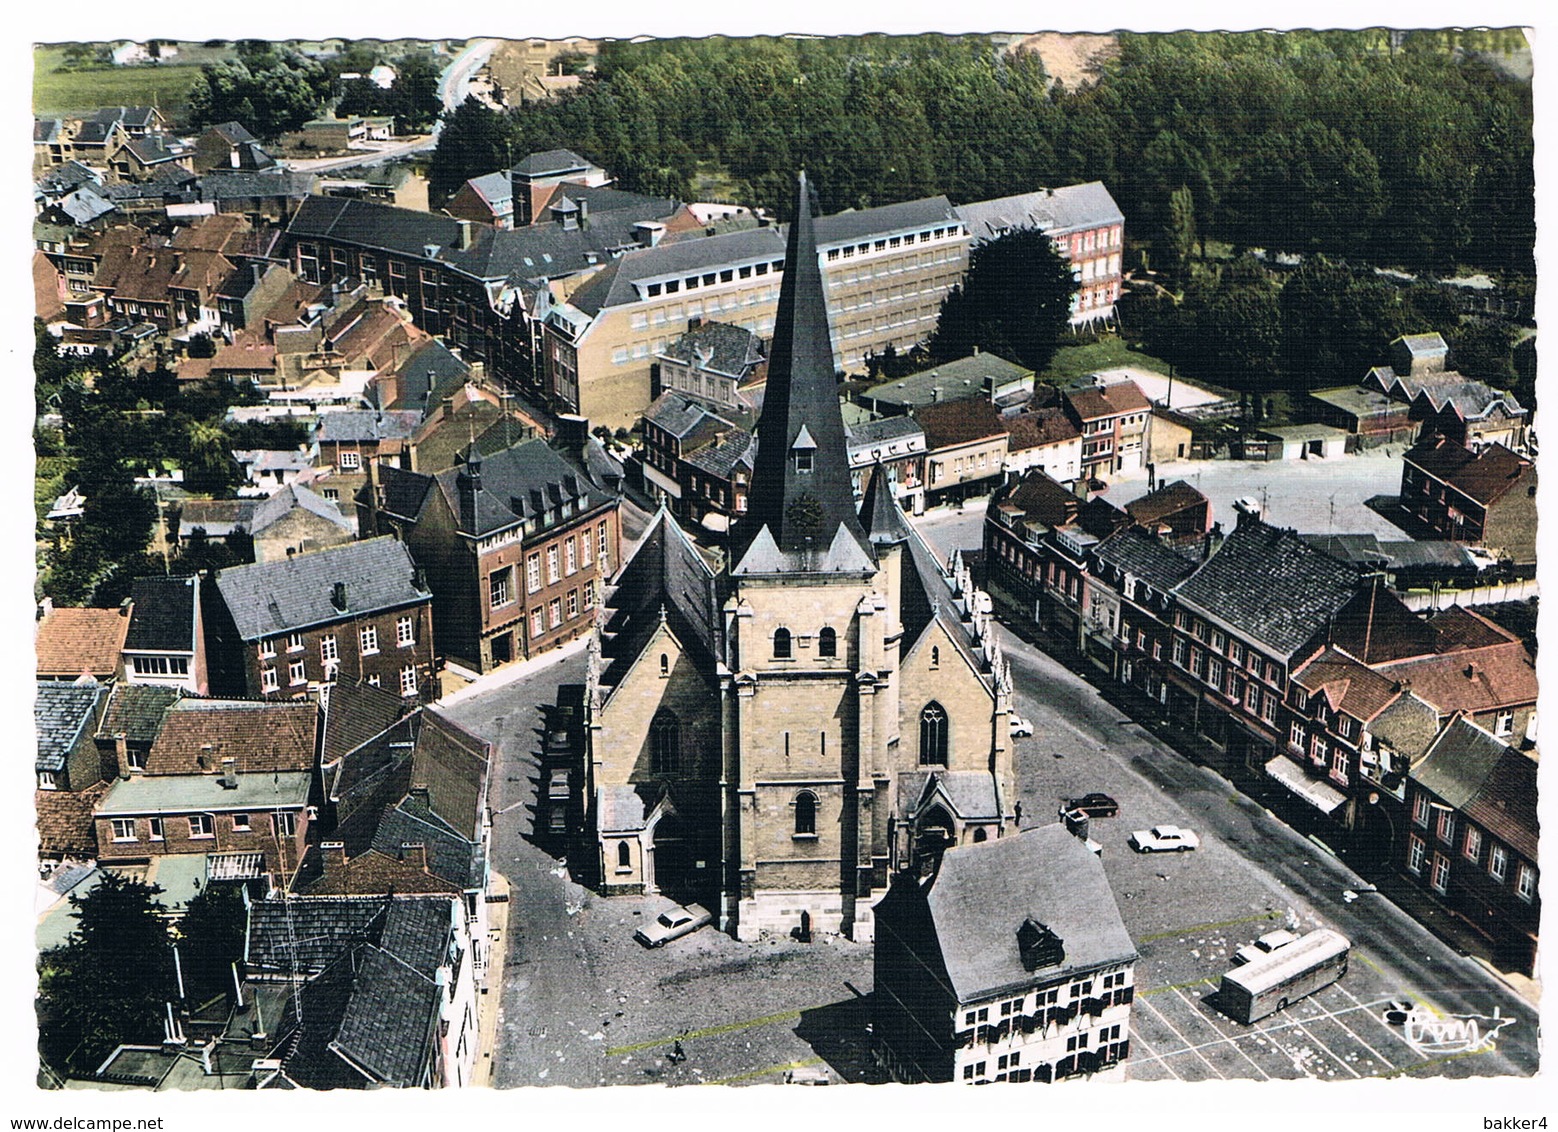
(801, 498)
(880, 514)
(666, 573)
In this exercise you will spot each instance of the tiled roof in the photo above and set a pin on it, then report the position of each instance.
(387, 1022)
(1167, 500)
(137, 711)
(1483, 476)
(62, 713)
(267, 598)
(72, 641)
(951, 423)
(261, 735)
(1493, 784)
(1457, 627)
(720, 347)
(229, 184)
(65, 825)
(162, 614)
(882, 431)
(682, 416)
(1348, 685)
(1471, 680)
(1040, 428)
(217, 517)
(1096, 402)
(358, 712)
(1041, 500)
(1141, 555)
(374, 873)
(1271, 586)
(950, 381)
(982, 894)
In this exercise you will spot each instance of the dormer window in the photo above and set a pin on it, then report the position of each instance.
(803, 449)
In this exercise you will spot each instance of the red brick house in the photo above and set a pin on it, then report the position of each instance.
(1485, 497)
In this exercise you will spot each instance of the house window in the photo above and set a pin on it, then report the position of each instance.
(533, 573)
(602, 548)
(933, 735)
(1415, 851)
(297, 673)
(1179, 651)
(124, 829)
(156, 829)
(1296, 735)
(665, 743)
(267, 648)
(554, 612)
(537, 622)
(573, 604)
(1498, 863)
(350, 461)
(269, 682)
(828, 642)
(1473, 846)
(584, 548)
(405, 632)
(201, 825)
(1420, 810)
(294, 642)
(1505, 723)
(1440, 879)
(284, 825)
(782, 646)
(570, 556)
(408, 680)
(368, 636)
(1339, 765)
(47, 780)
(1525, 883)
(1214, 672)
(240, 823)
(328, 653)
(1445, 827)
(500, 584)
(589, 594)
(552, 573)
(805, 814)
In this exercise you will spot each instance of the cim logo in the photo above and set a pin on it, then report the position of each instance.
(1457, 1033)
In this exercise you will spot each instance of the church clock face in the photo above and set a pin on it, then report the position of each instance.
(805, 512)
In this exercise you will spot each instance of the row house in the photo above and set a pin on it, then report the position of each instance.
(165, 640)
(351, 439)
(70, 642)
(1471, 842)
(283, 628)
(1486, 498)
(516, 544)
(1035, 543)
(1010, 964)
(965, 449)
(1113, 417)
(715, 362)
(1088, 230)
(717, 478)
(896, 443)
(1047, 440)
(675, 427)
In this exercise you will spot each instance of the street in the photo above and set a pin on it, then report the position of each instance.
(583, 1004)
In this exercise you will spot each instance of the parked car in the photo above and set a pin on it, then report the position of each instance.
(1020, 726)
(673, 923)
(1265, 945)
(1163, 839)
(1397, 1011)
(1094, 805)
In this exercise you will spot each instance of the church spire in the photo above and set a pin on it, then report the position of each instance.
(800, 485)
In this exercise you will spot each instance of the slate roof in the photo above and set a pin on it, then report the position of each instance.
(1141, 555)
(738, 449)
(1269, 585)
(982, 894)
(666, 571)
(1490, 782)
(494, 188)
(62, 713)
(1050, 210)
(137, 711)
(262, 735)
(295, 497)
(517, 483)
(162, 614)
(267, 598)
(614, 284)
(230, 184)
(1348, 685)
(970, 793)
(550, 162)
(880, 515)
(357, 425)
(388, 1019)
(72, 641)
(1040, 499)
(684, 417)
(430, 367)
(307, 934)
(882, 431)
(950, 381)
(403, 493)
(852, 226)
(1482, 476)
(1356, 399)
(720, 347)
(358, 712)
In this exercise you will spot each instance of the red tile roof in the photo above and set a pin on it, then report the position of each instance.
(65, 820)
(950, 423)
(72, 641)
(1040, 428)
(262, 737)
(1348, 685)
(1483, 476)
(1471, 680)
(1096, 402)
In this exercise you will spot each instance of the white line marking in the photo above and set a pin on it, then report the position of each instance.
(1187, 1047)
(1202, 1018)
(1138, 1040)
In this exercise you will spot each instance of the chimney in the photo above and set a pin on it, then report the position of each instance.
(122, 756)
(648, 233)
(418, 790)
(464, 241)
(332, 856)
(1214, 539)
(414, 853)
(229, 779)
(338, 597)
(584, 214)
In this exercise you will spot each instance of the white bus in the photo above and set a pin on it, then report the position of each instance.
(1268, 984)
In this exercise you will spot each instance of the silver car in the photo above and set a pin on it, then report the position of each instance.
(673, 923)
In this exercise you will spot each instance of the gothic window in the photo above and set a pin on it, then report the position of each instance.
(624, 856)
(782, 644)
(828, 643)
(805, 814)
(933, 735)
(665, 743)
(935, 656)
(665, 665)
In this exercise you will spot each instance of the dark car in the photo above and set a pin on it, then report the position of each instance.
(1093, 805)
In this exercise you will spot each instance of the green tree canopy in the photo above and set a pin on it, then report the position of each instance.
(1014, 301)
(475, 140)
(210, 941)
(267, 89)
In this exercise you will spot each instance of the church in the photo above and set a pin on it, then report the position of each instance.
(777, 734)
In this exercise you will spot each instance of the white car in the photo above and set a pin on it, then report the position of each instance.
(1163, 839)
(1265, 945)
(673, 923)
(1020, 726)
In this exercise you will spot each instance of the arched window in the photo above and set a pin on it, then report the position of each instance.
(665, 743)
(933, 735)
(935, 655)
(805, 814)
(782, 643)
(665, 665)
(980, 835)
(624, 856)
(828, 642)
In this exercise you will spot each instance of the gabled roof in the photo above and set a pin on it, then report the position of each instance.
(1487, 780)
(162, 614)
(951, 423)
(880, 515)
(982, 894)
(62, 713)
(304, 935)
(65, 826)
(683, 416)
(551, 162)
(1484, 476)
(847, 227)
(358, 712)
(261, 736)
(266, 598)
(136, 711)
(1050, 210)
(1457, 627)
(521, 482)
(295, 497)
(1471, 679)
(1098, 402)
(1167, 500)
(1040, 499)
(1140, 554)
(1347, 684)
(666, 572)
(1270, 586)
(359, 425)
(736, 450)
(1040, 428)
(719, 347)
(72, 641)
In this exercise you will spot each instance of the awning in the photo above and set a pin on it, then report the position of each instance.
(1318, 794)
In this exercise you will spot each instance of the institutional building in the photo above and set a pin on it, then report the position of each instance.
(777, 734)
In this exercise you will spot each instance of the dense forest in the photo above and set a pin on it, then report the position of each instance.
(1406, 150)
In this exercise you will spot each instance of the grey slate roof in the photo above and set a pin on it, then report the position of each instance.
(431, 368)
(1486, 779)
(494, 188)
(1139, 554)
(880, 515)
(849, 227)
(274, 508)
(137, 711)
(1271, 586)
(1088, 205)
(388, 1020)
(62, 713)
(220, 185)
(293, 593)
(720, 347)
(449, 855)
(722, 459)
(613, 286)
(982, 894)
(520, 482)
(549, 162)
(162, 618)
(666, 572)
(883, 431)
(358, 712)
(970, 793)
(190, 793)
(307, 934)
(349, 425)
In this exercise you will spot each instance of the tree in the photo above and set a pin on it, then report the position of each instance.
(1014, 301)
(270, 91)
(211, 936)
(1182, 227)
(109, 982)
(475, 140)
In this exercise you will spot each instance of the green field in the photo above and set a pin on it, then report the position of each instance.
(165, 85)
(1107, 353)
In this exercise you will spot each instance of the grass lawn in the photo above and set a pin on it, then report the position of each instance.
(1071, 362)
(56, 92)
